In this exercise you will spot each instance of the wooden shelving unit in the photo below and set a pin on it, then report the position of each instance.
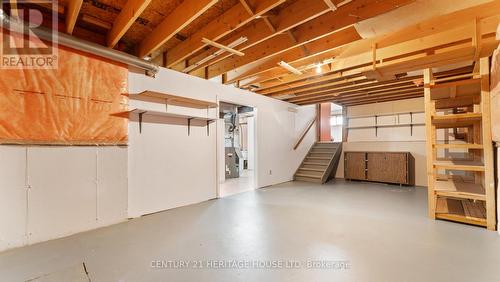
(461, 190)
(164, 117)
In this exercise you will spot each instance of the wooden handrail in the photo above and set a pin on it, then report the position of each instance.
(309, 125)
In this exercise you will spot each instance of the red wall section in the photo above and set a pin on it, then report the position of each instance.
(325, 130)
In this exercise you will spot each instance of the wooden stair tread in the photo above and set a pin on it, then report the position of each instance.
(455, 120)
(311, 169)
(464, 211)
(460, 165)
(307, 175)
(313, 163)
(459, 146)
(461, 178)
(460, 189)
(317, 158)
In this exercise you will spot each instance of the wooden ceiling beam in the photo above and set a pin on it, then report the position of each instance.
(399, 39)
(247, 7)
(72, 11)
(357, 93)
(231, 20)
(297, 13)
(368, 86)
(332, 78)
(182, 16)
(312, 30)
(401, 86)
(353, 91)
(320, 46)
(128, 15)
(384, 99)
(379, 94)
(354, 81)
(368, 100)
(448, 55)
(307, 64)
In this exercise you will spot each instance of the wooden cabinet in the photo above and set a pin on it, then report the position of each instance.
(355, 166)
(387, 167)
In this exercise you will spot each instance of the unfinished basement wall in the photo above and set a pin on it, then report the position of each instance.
(395, 139)
(168, 168)
(48, 192)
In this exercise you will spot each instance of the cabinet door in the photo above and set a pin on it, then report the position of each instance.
(387, 167)
(355, 166)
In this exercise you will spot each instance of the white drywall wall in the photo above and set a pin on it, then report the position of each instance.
(12, 197)
(72, 189)
(168, 169)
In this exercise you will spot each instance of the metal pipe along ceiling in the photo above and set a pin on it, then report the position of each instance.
(82, 45)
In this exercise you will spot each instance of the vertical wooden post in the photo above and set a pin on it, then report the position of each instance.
(489, 176)
(430, 110)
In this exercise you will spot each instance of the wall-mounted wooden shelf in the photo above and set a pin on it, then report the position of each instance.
(387, 125)
(376, 126)
(169, 99)
(386, 114)
(148, 116)
(142, 115)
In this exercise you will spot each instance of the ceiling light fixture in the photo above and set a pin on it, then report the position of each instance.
(318, 69)
(288, 67)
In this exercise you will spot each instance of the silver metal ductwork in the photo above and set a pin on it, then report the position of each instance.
(82, 45)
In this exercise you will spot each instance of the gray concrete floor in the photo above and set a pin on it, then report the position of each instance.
(381, 231)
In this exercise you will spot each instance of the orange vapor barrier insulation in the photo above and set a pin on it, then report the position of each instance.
(69, 105)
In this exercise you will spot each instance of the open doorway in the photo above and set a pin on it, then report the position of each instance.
(237, 144)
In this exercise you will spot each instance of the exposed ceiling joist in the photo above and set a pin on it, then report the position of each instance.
(294, 15)
(315, 29)
(182, 16)
(448, 47)
(315, 48)
(231, 20)
(269, 79)
(128, 15)
(72, 11)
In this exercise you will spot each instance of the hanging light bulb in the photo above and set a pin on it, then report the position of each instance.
(318, 68)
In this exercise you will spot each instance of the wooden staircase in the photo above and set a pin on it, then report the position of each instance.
(320, 163)
(461, 185)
